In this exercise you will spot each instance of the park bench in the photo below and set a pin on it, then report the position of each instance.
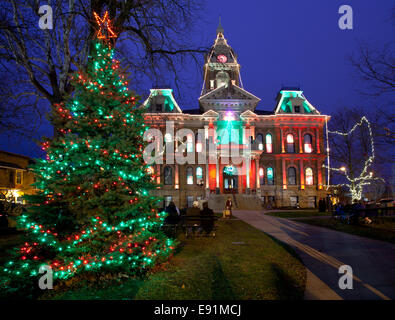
(190, 224)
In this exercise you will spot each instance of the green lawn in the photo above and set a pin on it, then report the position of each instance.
(240, 263)
(382, 229)
(296, 214)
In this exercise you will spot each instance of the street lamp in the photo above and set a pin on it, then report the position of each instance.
(343, 169)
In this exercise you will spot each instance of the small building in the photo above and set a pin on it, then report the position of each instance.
(15, 177)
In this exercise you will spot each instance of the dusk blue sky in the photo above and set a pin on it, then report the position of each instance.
(283, 43)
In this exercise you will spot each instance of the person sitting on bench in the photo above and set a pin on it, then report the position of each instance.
(173, 214)
(207, 223)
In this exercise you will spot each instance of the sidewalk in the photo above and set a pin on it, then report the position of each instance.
(323, 251)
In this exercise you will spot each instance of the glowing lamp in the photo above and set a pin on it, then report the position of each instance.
(302, 187)
(285, 187)
(229, 116)
(343, 169)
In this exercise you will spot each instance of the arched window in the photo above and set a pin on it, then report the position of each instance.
(259, 141)
(199, 145)
(168, 175)
(199, 176)
(309, 177)
(189, 175)
(291, 176)
(270, 176)
(269, 143)
(261, 176)
(189, 142)
(290, 143)
(308, 143)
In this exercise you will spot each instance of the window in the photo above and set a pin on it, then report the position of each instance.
(199, 145)
(189, 175)
(158, 107)
(291, 176)
(309, 177)
(271, 200)
(294, 201)
(290, 143)
(261, 177)
(19, 177)
(189, 143)
(211, 84)
(263, 200)
(199, 176)
(167, 200)
(311, 202)
(297, 109)
(168, 175)
(269, 143)
(189, 201)
(308, 143)
(259, 141)
(270, 176)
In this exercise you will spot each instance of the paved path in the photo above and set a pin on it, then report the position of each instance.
(323, 251)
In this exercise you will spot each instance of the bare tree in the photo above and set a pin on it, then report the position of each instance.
(352, 152)
(36, 64)
(377, 68)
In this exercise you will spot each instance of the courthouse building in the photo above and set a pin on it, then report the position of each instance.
(283, 150)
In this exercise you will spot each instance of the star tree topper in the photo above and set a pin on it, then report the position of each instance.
(105, 28)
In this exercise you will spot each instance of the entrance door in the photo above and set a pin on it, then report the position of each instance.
(230, 180)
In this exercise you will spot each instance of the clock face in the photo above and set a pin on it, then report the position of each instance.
(222, 58)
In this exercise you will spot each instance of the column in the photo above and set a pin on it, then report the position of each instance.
(282, 140)
(300, 140)
(217, 191)
(258, 181)
(248, 174)
(317, 139)
(176, 179)
(302, 184)
(159, 174)
(284, 175)
(319, 174)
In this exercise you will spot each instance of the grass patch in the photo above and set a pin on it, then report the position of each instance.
(381, 229)
(240, 263)
(297, 214)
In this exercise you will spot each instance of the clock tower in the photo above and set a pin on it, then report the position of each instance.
(222, 86)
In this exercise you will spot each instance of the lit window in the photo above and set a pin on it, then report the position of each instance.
(259, 141)
(167, 200)
(309, 177)
(189, 175)
(168, 175)
(269, 143)
(199, 176)
(290, 143)
(270, 176)
(292, 176)
(199, 145)
(189, 143)
(308, 143)
(261, 176)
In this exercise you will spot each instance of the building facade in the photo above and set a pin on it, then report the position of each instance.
(15, 177)
(275, 157)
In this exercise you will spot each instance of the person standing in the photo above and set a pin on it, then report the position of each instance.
(229, 206)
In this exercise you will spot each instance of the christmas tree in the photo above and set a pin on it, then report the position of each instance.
(94, 212)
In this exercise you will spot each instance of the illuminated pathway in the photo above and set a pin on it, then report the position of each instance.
(323, 251)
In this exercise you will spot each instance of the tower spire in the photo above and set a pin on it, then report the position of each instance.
(219, 28)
